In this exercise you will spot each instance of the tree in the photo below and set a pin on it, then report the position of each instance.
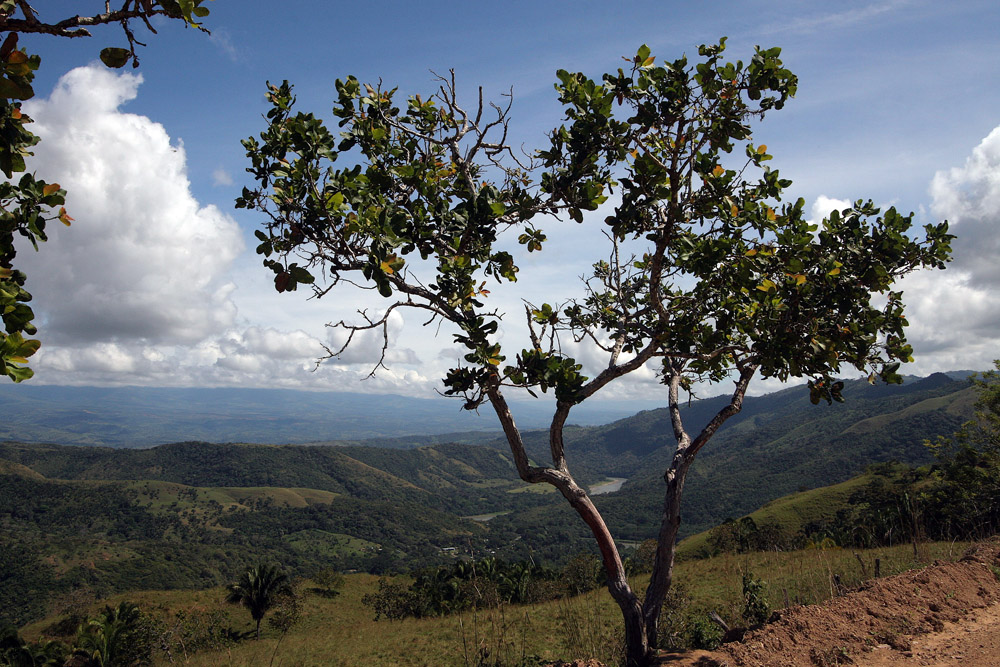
(706, 272)
(328, 582)
(27, 205)
(117, 637)
(983, 431)
(963, 497)
(258, 589)
(16, 652)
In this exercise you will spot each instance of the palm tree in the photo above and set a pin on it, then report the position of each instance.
(15, 652)
(110, 639)
(258, 590)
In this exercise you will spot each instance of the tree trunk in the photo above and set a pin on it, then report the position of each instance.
(637, 648)
(636, 640)
(663, 564)
(637, 644)
(687, 449)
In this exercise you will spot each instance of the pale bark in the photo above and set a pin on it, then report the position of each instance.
(641, 618)
(663, 566)
(636, 641)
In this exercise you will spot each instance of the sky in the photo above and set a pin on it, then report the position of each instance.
(156, 283)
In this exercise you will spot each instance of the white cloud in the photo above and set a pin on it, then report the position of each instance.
(143, 261)
(955, 314)
(222, 39)
(837, 20)
(366, 346)
(140, 290)
(969, 198)
(221, 177)
(824, 205)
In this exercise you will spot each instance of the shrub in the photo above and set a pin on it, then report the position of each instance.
(756, 608)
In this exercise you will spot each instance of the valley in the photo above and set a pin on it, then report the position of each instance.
(191, 515)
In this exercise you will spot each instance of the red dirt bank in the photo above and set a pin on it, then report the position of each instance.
(943, 614)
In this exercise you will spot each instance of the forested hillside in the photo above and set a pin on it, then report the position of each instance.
(777, 444)
(192, 514)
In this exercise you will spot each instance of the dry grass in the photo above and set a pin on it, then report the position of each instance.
(340, 630)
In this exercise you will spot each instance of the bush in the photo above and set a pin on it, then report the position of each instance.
(328, 582)
(393, 600)
(641, 560)
(756, 608)
(674, 619)
(703, 633)
(582, 573)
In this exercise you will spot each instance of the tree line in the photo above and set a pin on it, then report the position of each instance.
(957, 497)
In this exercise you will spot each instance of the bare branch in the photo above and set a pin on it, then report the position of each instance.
(75, 26)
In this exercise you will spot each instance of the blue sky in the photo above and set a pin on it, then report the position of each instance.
(156, 283)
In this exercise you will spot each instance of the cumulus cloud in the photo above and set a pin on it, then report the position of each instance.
(143, 261)
(824, 205)
(366, 346)
(969, 198)
(139, 290)
(955, 314)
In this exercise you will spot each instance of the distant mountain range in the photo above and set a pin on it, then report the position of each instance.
(778, 444)
(186, 514)
(148, 416)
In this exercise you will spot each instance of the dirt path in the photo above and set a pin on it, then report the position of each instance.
(944, 614)
(973, 642)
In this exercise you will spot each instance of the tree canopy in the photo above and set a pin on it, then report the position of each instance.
(259, 589)
(708, 274)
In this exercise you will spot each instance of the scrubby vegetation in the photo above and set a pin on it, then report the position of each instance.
(955, 498)
(81, 525)
(198, 628)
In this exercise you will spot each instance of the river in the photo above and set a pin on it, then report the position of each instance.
(609, 485)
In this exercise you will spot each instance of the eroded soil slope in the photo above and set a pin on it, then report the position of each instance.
(944, 614)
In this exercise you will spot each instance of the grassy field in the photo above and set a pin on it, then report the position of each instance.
(791, 512)
(162, 495)
(340, 630)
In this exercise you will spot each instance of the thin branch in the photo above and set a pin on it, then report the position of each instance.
(75, 26)
(747, 372)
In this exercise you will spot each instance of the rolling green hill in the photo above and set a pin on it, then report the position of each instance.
(460, 478)
(191, 514)
(790, 513)
(778, 444)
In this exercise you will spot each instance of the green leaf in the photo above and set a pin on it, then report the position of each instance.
(15, 91)
(27, 348)
(19, 373)
(115, 57)
(766, 285)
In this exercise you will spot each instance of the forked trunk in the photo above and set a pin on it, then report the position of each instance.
(637, 645)
(636, 641)
(637, 649)
(663, 564)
